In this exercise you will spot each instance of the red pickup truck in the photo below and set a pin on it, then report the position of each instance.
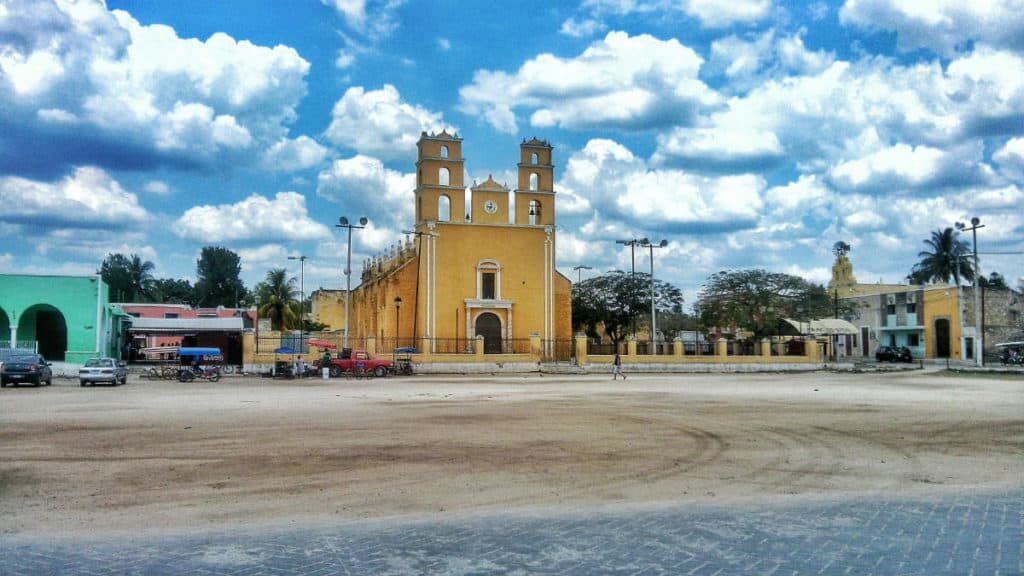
(377, 366)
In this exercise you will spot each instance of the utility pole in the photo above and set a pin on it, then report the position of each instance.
(343, 223)
(979, 340)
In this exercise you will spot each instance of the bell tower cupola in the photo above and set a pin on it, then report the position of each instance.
(535, 194)
(440, 190)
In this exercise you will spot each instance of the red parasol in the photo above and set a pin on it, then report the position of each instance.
(319, 343)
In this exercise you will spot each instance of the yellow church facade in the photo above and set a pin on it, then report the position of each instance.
(467, 269)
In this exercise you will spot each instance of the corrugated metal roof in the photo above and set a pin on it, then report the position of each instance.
(823, 326)
(187, 324)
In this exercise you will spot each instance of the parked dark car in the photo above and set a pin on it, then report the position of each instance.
(31, 368)
(893, 354)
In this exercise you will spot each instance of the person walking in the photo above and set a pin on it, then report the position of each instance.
(617, 368)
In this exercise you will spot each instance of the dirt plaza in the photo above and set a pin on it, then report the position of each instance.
(249, 451)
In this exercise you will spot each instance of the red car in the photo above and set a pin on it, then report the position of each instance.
(359, 358)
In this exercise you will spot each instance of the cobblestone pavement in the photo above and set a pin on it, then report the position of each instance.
(945, 533)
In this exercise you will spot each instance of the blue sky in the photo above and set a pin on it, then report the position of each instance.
(748, 133)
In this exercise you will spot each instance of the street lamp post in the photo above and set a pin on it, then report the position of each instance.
(302, 297)
(579, 274)
(654, 317)
(343, 223)
(398, 311)
(979, 345)
(632, 243)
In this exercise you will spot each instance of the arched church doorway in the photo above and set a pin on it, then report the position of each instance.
(942, 338)
(45, 324)
(488, 325)
(5, 327)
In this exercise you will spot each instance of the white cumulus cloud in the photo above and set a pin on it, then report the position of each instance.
(128, 93)
(87, 198)
(290, 155)
(941, 25)
(621, 81)
(256, 218)
(379, 123)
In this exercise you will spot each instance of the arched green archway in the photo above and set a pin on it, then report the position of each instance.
(46, 325)
(5, 327)
(68, 311)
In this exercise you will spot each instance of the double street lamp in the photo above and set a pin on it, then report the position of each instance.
(302, 296)
(344, 223)
(579, 274)
(654, 318)
(632, 243)
(979, 346)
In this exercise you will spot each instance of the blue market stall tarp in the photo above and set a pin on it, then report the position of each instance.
(284, 350)
(204, 353)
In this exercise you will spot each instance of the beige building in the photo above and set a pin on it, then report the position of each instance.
(483, 268)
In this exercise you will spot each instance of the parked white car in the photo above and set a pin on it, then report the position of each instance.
(103, 370)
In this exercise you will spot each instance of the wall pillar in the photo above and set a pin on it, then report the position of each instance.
(535, 346)
(766, 348)
(737, 347)
(721, 347)
(631, 346)
(581, 349)
(479, 346)
(424, 345)
(371, 345)
(780, 347)
(811, 348)
(677, 347)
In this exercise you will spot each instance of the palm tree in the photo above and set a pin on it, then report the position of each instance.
(140, 277)
(949, 258)
(277, 297)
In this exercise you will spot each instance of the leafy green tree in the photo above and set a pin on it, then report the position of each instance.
(130, 278)
(616, 299)
(277, 298)
(173, 291)
(756, 299)
(950, 257)
(995, 281)
(218, 282)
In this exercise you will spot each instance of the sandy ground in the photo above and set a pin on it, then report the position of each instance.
(244, 451)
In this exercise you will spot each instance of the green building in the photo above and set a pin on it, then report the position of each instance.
(65, 318)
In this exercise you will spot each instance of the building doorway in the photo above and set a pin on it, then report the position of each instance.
(488, 325)
(942, 338)
(45, 324)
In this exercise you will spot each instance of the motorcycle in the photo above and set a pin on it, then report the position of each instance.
(211, 373)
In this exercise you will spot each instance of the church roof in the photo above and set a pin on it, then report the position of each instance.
(536, 143)
(443, 135)
(490, 184)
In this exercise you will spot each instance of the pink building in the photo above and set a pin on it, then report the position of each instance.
(162, 328)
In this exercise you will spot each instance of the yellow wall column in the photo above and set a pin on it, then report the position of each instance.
(424, 345)
(736, 347)
(677, 347)
(371, 346)
(248, 348)
(780, 347)
(721, 347)
(631, 346)
(811, 348)
(479, 347)
(535, 346)
(581, 349)
(766, 347)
